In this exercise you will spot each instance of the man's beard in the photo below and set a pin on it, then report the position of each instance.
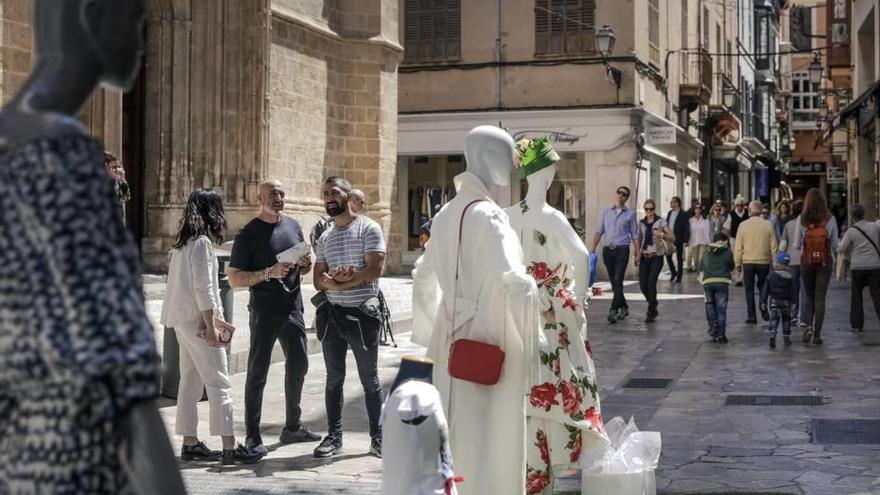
(334, 209)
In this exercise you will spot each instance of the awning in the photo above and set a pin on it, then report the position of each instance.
(852, 110)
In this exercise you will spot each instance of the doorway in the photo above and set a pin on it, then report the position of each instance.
(133, 156)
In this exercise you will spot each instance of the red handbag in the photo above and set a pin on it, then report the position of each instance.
(472, 360)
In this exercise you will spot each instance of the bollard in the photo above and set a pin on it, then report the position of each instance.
(170, 347)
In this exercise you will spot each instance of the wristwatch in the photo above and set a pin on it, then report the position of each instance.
(266, 275)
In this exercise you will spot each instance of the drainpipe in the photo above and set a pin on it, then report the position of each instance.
(498, 54)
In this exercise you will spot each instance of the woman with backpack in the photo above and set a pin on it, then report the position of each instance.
(861, 245)
(816, 236)
(657, 241)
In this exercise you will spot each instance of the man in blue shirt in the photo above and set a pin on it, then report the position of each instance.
(619, 227)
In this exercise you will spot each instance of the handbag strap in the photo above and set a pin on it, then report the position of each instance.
(869, 239)
(458, 260)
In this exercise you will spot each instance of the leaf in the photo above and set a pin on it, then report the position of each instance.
(523, 206)
(540, 238)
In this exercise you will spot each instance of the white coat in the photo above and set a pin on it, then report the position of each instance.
(497, 303)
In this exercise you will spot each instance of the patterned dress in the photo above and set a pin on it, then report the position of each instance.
(76, 348)
(563, 413)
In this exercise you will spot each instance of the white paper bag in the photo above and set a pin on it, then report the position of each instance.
(619, 484)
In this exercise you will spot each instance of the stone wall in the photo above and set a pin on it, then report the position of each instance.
(15, 45)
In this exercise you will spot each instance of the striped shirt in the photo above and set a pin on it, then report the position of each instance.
(346, 246)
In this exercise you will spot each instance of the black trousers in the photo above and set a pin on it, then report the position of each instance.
(290, 332)
(860, 280)
(649, 272)
(816, 279)
(679, 257)
(341, 329)
(754, 275)
(616, 261)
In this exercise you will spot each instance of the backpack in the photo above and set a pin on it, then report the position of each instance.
(815, 249)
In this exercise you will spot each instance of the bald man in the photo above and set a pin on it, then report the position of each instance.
(356, 200)
(276, 312)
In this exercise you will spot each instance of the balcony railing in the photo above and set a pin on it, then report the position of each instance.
(698, 89)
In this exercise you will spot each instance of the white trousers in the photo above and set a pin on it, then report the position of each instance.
(202, 366)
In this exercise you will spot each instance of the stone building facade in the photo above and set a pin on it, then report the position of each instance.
(236, 92)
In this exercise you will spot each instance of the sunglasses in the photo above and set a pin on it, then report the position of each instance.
(649, 209)
(623, 193)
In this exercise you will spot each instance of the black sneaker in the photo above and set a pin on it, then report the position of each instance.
(199, 452)
(751, 322)
(256, 444)
(612, 317)
(808, 335)
(786, 340)
(816, 340)
(773, 342)
(330, 446)
(376, 446)
(856, 330)
(240, 455)
(622, 313)
(722, 339)
(650, 318)
(298, 436)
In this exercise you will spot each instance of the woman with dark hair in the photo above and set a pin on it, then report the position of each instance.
(816, 236)
(194, 309)
(786, 245)
(651, 229)
(783, 215)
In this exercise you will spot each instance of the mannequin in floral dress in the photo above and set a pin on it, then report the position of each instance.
(563, 413)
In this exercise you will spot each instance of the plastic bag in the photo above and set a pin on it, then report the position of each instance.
(627, 466)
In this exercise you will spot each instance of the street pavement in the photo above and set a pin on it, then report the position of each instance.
(708, 447)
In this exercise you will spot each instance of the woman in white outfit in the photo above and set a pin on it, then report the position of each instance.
(701, 235)
(193, 308)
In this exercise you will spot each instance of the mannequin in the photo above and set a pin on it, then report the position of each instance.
(494, 301)
(564, 417)
(112, 376)
(417, 459)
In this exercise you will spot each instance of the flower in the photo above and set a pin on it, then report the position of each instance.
(556, 366)
(575, 447)
(571, 397)
(594, 418)
(537, 481)
(567, 298)
(563, 338)
(589, 348)
(543, 446)
(539, 271)
(543, 395)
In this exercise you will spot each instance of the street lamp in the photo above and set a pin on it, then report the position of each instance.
(728, 97)
(605, 41)
(815, 70)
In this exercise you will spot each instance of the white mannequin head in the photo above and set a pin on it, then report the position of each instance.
(490, 155)
(539, 183)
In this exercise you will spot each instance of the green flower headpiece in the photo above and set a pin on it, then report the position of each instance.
(534, 155)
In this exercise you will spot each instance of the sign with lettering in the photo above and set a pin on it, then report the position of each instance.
(806, 167)
(555, 137)
(660, 135)
(837, 32)
(836, 175)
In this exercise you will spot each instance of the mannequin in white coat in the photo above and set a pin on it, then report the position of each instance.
(495, 302)
(563, 406)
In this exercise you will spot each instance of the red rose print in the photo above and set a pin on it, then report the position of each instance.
(594, 419)
(543, 447)
(543, 395)
(571, 397)
(567, 299)
(589, 348)
(539, 271)
(563, 338)
(556, 366)
(575, 448)
(537, 481)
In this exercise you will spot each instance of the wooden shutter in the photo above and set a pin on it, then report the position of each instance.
(432, 30)
(542, 26)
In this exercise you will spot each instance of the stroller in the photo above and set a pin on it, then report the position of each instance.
(385, 329)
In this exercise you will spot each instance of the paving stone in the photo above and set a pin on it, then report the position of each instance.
(817, 477)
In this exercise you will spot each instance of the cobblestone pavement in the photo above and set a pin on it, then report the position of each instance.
(708, 447)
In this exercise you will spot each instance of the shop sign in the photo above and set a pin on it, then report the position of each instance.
(556, 137)
(660, 135)
(806, 167)
(836, 175)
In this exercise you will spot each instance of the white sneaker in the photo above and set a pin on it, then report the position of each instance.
(261, 449)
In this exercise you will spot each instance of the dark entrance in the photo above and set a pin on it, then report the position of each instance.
(133, 156)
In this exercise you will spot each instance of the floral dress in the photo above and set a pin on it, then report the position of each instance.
(563, 412)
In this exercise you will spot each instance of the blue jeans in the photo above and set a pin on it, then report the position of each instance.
(780, 315)
(616, 261)
(716, 307)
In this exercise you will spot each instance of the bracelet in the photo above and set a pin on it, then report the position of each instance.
(266, 275)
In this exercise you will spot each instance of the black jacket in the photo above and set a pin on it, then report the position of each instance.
(780, 285)
(681, 229)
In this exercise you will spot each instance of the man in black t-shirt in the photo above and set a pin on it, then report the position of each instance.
(276, 312)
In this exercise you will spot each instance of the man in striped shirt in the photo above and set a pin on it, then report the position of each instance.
(350, 257)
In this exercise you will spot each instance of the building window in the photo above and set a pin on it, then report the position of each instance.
(802, 28)
(565, 26)
(685, 43)
(654, 30)
(432, 30)
(705, 40)
(804, 98)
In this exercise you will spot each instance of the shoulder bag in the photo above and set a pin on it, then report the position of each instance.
(869, 239)
(472, 360)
